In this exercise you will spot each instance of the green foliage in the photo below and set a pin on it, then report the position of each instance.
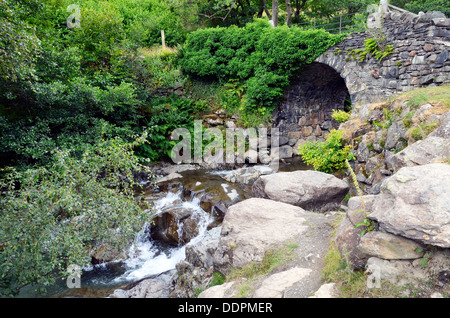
(328, 156)
(57, 215)
(18, 44)
(261, 57)
(374, 47)
(218, 279)
(423, 5)
(61, 88)
(164, 116)
(340, 115)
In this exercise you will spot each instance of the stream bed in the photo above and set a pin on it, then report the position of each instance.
(195, 194)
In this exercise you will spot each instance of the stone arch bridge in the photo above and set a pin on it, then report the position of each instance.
(420, 58)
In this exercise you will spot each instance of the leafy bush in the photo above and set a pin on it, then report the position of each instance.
(328, 156)
(340, 115)
(428, 5)
(57, 215)
(263, 57)
(164, 116)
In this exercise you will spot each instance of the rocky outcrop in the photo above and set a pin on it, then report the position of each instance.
(196, 271)
(411, 213)
(248, 231)
(415, 203)
(310, 190)
(255, 228)
(155, 287)
(432, 149)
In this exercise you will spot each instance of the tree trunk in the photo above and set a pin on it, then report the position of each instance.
(299, 5)
(289, 12)
(275, 13)
(263, 8)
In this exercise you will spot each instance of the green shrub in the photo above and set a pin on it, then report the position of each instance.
(263, 57)
(57, 215)
(328, 156)
(340, 115)
(164, 115)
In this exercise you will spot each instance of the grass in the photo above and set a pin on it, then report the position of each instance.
(157, 51)
(421, 131)
(438, 96)
(271, 260)
(249, 272)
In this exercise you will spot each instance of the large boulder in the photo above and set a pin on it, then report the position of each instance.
(415, 203)
(347, 239)
(348, 234)
(310, 190)
(254, 226)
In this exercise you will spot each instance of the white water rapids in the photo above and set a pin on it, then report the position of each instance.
(146, 257)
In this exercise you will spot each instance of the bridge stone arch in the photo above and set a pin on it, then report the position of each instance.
(420, 58)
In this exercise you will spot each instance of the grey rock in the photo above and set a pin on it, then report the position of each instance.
(307, 189)
(429, 16)
(431, 149)
(170, 177)
(399, 272)
(275, 285)
(359, 207)
(253, 226)
(396, 131)
(285, 152)
(441, 58)
(201, 253)
(347, 239)
(443, 131)
(326, 291)
(415, 203)
(220, 291)
(441, 22)
(389, 246)
(283, 140)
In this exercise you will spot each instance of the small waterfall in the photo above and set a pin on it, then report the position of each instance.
(147, 257)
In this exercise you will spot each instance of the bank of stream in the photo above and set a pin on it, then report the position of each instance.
(203, 194)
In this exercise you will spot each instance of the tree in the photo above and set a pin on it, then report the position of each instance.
(62, 214)
(288, 12)
(275, 13)
(263, 8)
(299, 5)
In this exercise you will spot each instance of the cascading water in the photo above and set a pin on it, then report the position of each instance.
(147, 257)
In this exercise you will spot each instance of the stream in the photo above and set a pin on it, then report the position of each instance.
(149, 255)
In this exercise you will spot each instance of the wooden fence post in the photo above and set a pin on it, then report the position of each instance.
(163, 38)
